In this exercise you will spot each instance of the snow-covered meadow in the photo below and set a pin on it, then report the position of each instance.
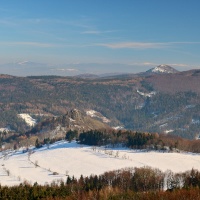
(63, 158)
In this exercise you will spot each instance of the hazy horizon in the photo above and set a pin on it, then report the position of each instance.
(28, 68)
(70, 38)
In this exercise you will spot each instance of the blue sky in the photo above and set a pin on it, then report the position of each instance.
(90, 36)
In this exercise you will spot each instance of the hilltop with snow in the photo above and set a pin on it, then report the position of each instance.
(162, 69)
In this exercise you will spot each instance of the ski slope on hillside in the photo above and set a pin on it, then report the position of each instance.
(73, 159)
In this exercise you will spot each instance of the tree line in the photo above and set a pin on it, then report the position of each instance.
(133, 183)
(130, 139)
(134, 139)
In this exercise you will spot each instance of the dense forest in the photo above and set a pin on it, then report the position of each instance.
(135, 140)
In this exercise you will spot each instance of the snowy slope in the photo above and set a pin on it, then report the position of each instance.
(28, 119)
(95, 114)
(73, 159)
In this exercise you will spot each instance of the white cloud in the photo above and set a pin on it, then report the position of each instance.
(148, 63)
(144, 45)
(33, 44)
(95, 32)
(7, 22)
(179, 65)
(134, 45)
(183, 42)
(91, 32)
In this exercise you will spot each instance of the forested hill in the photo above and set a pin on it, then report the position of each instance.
(156, 103)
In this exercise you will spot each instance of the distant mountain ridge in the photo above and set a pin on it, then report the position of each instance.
(87, 76)
(161, 69)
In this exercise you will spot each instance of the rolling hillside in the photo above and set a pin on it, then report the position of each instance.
(167, 102)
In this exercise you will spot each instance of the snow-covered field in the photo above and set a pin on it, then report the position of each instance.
(74, 159)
